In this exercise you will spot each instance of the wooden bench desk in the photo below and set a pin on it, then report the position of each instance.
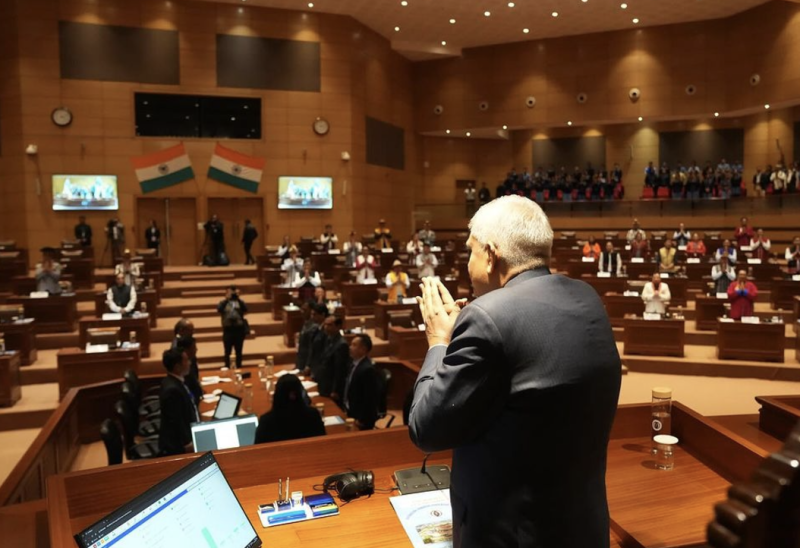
(10, 378)
(614, 284)
(281, 296)
(796, 315)
(139, 325)
(783, 292)
(76, 367)
(382, 310)
(778, 415)
(576, 268)
(763, 342)
(359, 299)
(618, 306)
(81, 270)
(654, 337)
(21, 336)
(707, 310)
(148, 296)
(407, 343)
(58, 314)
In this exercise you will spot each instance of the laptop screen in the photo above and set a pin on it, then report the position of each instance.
(224, 434)
(194, 507)
(227, 406)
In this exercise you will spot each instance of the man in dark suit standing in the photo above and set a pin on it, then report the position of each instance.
(332, 367)
(527, 412)
(362, 387)
(178, 408)
(83, 232)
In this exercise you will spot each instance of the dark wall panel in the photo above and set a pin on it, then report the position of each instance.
(796, 151)
(267, 63)
(385, 144)
(118, 54)
(701, 146)
(568, 152)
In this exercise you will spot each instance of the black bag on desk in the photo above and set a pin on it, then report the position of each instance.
(222, 259)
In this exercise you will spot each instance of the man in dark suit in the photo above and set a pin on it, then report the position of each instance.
(330, 370)
(178, 409)
(362, 386)
(527, 412)
(188, 345)
(83, 232)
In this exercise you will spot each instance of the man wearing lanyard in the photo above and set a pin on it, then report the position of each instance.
(178, 408)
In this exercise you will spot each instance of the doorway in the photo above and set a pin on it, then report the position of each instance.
(233, 212)
(177, 219)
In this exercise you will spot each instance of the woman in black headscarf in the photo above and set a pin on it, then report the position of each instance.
(291, 416)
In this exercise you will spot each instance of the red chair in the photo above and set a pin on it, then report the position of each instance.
(619, 191)
(647, 193)
(546, 195)
(574, 195)
(663, 192)
(559, 195)
(588, 194)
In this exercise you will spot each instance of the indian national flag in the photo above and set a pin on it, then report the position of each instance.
(163, 168)
(235, 169)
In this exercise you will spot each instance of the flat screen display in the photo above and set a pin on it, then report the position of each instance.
(305, 193)
(224, 433)
(87, 192)
(194, 507)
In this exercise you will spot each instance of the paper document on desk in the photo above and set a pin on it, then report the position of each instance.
(332, 420)
(287, 372)
(426, 517)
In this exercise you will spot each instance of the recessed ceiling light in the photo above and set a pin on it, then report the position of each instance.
(505, 127)
(584, 1)
(511, 4)
(447, 131)
(487, 13)
(624, 6)
(526, 31)
(311, 4)
(640, 118)
(452, 21)
(716, 115)
(569, 122)
(766, 106)
(397, 29)
(635, 20)
(404, 3)
(554, 14)
(469, 134)
(241, 10)
(444, 43)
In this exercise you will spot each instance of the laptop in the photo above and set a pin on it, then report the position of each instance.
(193, 507)
(224, 433)
(227, 406)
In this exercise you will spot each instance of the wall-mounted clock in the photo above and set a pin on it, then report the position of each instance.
(61, 117)
(321, 126)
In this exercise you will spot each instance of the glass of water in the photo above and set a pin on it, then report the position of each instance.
(665, 451)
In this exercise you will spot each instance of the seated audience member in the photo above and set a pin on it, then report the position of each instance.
(292, 266)
(306, 282)
(666, 257)
(681, 236)
(743, 234)
(610, 261)
(414, 247)
(760, 245)
(329, 239)
(183, 328)
(696, 248)
(640, 247)
(427, 235)
(129, 269)
(722, 274)
(314, 315)
(426, 262)
(188, 345)
(48, 272)
(398, 282)
(793, 256)
(383, 236)
(121, 297)
(591, 248)
(178, 409)
(284, 248)
(362, 387)
(365, 264)
(351, 250)
(631, 236)
(291, 417)
(742, 294)
(320, 297)
(656, 295)
(727, 249)
(330, 369)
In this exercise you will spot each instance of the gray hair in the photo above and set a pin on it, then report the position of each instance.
(518, 227)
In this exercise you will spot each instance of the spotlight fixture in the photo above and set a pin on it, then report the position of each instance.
(766, 106)
(505, 127)
(397, 29)
(404, 3)
(716, 115)
(569, 122)
(469, 134)
(526, 31)
(640, 118)
(635, 20)
(554, 14)
(444, 42)
(511, 4)
(452, 21)
(624, 6)
(311, 4)
(447, 131)
(487, 13)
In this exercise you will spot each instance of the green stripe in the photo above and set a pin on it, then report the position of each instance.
(233, 180)
(167, 180)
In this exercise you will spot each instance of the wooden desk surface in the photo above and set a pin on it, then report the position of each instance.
(53, 314)
(707, 310)
(782, 293)
(21, 335)
(138, 324)
(654, 337)
(758, 342)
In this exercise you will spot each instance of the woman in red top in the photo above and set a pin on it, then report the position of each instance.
(591, 248)
(742, 294)
(695, 248)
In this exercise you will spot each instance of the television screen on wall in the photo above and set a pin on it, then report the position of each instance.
(87, 192)
(305, 193)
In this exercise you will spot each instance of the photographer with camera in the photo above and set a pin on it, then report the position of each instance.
(234, 325)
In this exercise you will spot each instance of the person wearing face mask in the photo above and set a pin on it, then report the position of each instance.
(656, 296)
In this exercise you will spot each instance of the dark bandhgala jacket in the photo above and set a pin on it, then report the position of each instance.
(178, 412)
(525, 395)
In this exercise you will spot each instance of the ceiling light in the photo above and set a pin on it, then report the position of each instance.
(716, 115)
(444, 43)
(447, 131)
(452, 21)
(569, 122)
(640, 118)
(404, 3)
(469, 134)
(511, 4)
(526, 31)
(311, 4)
(624, 6)
(397, 29)
(635, 20)
(584, 1)
(554, 14)
(505, 127)
(241, 10)
(766, 106)
(487, 13)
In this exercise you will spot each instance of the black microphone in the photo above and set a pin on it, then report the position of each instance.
(423, 470)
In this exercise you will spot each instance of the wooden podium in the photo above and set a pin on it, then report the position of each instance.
(359, 299)
(654, 337)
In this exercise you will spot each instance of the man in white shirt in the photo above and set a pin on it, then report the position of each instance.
(610, 261)
(656, 295)
(793, 256)
(121, 297)
(128, 269)
(681, 236)
(427, 262)
(292, 266)
(328, 239)
(365, 264)
(284, 248)
(722, 274)
(427, 235)
(351, 250)
(306, 277)
(635, 230)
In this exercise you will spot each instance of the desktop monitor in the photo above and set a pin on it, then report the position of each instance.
(224, 434)
(227, 406)
(193, 507)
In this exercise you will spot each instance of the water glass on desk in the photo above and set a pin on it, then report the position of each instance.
(665, 451)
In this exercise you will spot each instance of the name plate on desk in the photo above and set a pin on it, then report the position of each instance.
(627, 248)
(681, 248)
(631, 294)
(746, 248)
(421, 327)
(751, 319)
(665, 275)
(96, 348)
(373, 281)
(587, 260)
(651, 316)
(722, 295)
(638, 260)
(334, 252)
(796, 277)
(409, 300)
(436, 249)
(753, 261)
(604, 274)
(111, 316)
(387, 250)
(291, 307)
(726, 320)
(693, 260)
(39, 294)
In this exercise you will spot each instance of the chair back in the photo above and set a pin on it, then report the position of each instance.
(385, 377)
(131, 396)
(131, 377)
(112, 439)
(129, 421)
(401, 318)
